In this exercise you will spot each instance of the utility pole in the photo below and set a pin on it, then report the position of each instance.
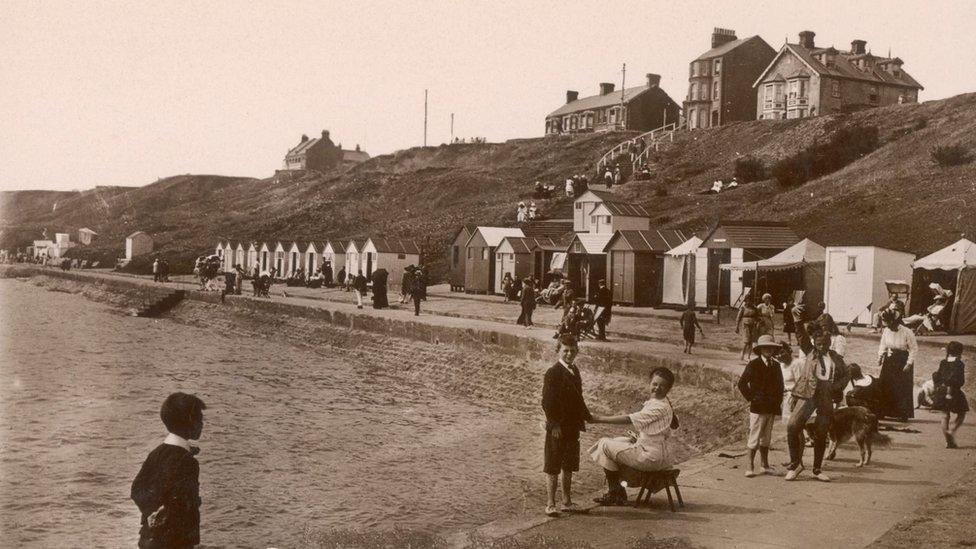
(623, 85)
(452, 127)
(425, 117)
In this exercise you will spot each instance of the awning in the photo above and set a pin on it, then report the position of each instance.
(687, 247)
(958, 255)
(802, 253)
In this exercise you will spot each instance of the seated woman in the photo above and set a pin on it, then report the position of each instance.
(646, 450)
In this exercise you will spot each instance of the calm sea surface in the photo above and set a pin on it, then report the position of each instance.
(293, 439)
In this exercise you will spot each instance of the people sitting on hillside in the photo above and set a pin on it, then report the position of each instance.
(543, 192)
(716, 187)
(643, 173)
(570, 190)
(533, 211)
(732, 184)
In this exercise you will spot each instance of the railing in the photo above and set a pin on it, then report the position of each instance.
(653, 136)
(656, 137)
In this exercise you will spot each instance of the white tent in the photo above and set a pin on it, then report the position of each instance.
(953, 267)
(679, 277)
(803, 252)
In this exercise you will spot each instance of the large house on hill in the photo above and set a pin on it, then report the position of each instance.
(640, 108)
(321, 154)
(804, 80)
(720, 81)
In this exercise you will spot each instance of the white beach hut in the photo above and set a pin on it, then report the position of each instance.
(265, 257)
(280, 261)
(353, 249)
(335, 253)
(252, 256)
(679, 273)
(855, 280)
(312, 258)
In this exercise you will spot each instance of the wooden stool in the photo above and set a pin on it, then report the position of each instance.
(651, 482)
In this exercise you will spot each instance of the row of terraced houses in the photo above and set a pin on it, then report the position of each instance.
(740, 79)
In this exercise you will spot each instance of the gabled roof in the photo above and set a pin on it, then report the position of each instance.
(620, 208)
(86, 230)
(357, 244)
(467, 228)
(656, 240)
(751, 234)
(338, 246)
(727, 47)
(494, 235)
(841, 68)
(549, 228)
(958, 255)
(312, 245)
(602, 195)
(137, 233)
(592, 243)
(602, 101)
(354, 156)
(687, 247)
(392, 246)
(525, 245)
(303, 147)
(300, 244)
(239, 245)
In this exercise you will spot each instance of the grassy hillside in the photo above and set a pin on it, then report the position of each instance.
(895, 196)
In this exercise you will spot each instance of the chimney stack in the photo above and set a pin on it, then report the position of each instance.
(653, 80)
(571, 96)
(722, 36)
(806, 39)
(606, 88)
(858, 47)
(325, 134)
(304, 138)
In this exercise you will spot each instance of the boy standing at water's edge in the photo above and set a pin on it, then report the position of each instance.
(566, 416)
(167, 488)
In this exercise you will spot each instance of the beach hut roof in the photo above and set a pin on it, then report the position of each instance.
(493, 235)
(592, 243)
(958, 255)
(687, 247)
(802, 253)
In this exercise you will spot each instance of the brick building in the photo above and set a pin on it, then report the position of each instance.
(720, 81)
(804, 80)
(640, 108)
(316, 153)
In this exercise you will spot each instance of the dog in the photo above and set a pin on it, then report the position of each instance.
(857, 422)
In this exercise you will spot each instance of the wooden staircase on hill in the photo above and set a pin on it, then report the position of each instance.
(160, 302)
(653, 140)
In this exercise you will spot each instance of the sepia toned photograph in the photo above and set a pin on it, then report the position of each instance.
(489, 275)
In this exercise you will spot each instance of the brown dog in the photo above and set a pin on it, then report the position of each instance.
(857, 422)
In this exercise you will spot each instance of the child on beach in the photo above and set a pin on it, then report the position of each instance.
(788, 323)
(688, 324)
(761, 383)
(167, 488)
(949, 379)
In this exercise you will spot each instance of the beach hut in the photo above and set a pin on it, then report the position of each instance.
(735, 242)
(678, 280)
(635, 264)
(228, 257)
(334, 253)
(455, 257)
(586, 262)
(279, 260)
(296, 259)
(517, 256)
(352, 257)
(312, 258)
(390, 254)
(219, 250)
(479, 268)
(583, 207)
(953, 268)
(240, 255)
(609, 217)
(855, 288)
(252, 256)
(138, 243)
(265, 256)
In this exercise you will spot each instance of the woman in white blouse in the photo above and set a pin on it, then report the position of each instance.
(647, 451)
(896, 356)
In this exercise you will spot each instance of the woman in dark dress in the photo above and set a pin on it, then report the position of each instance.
(950, 378)
(528, 303)
(896, 356)
(789, 326)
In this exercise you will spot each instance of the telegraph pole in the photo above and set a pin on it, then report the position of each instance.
(623, 85)
(452, 127)
(425, 117)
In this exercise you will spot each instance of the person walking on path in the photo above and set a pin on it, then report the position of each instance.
(507, 284)
(822, 375)
(406, 281)
(788, 325)
(949, 379)
(689, 321)
(359, 285)
(341, 279)
(761, 383)
(746, 324)
(167, 488)
(155, 268)
(418, 290)
(566, 416)
(767, 312)
(896, 357)
(618, 178)
(569, 187)
(608, 178)
(380, 279)
(603, 299)
(528, 303)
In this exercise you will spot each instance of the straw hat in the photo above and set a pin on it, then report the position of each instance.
(765, 340)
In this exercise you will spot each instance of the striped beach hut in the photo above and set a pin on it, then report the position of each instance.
(228, 257)
(280, 261)
(240, 255)
(265, 256)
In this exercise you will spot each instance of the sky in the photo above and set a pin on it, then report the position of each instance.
(123, 93)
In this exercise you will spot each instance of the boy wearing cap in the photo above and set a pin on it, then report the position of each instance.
(566, 416)
(761, 383)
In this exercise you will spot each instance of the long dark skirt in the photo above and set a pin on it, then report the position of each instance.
(897, 385)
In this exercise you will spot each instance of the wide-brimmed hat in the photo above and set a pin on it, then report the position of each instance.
(765, 340)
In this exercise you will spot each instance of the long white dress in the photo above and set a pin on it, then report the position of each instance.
(650, 451)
